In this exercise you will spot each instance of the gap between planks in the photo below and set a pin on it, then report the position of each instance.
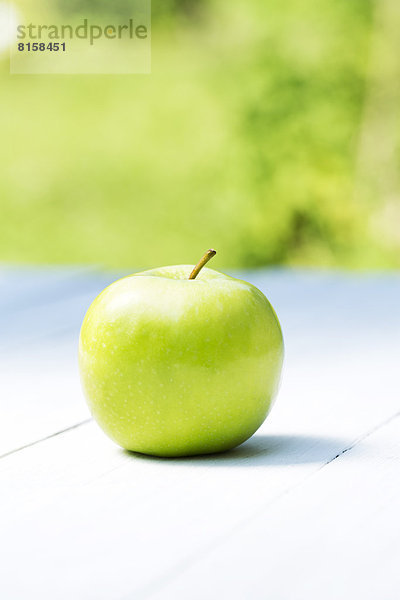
(44, 439)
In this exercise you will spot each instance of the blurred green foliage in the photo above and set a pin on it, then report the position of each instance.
(174, 9)
(245, 137)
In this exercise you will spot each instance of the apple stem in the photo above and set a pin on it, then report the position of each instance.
(208, 256)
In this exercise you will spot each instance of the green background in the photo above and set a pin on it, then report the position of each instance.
(267, 129)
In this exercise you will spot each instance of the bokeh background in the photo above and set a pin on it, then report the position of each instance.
(267, 129)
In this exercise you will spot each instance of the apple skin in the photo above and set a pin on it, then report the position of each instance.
(178, 367)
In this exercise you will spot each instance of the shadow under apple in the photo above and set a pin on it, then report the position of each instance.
(265, 451)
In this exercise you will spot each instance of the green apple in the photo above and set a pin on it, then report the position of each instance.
(178, 362)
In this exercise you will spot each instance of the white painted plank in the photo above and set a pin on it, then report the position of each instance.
(31, 311)
(40, 316)
(25, 286)
(87, 520)
(39, 396)
(335, 536)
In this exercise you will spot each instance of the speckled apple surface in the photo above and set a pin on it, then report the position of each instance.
(175, 367)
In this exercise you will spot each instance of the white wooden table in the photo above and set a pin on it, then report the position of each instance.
(309, 508)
